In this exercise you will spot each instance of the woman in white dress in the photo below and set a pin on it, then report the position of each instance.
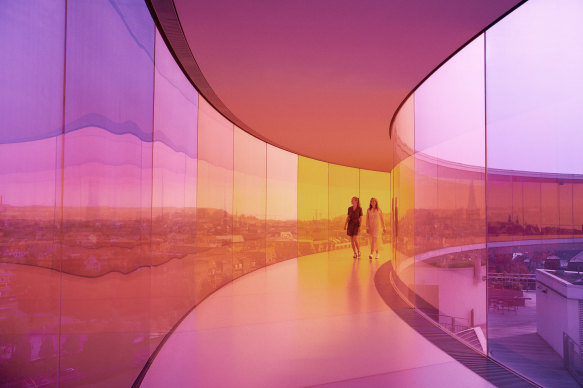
(374, 223)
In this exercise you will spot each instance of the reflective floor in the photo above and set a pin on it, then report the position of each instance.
(313, 321)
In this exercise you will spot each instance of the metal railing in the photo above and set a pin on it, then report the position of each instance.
(572, 358)
(523, 281)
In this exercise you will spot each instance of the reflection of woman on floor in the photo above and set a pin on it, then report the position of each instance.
(352, 225)
(374, 222)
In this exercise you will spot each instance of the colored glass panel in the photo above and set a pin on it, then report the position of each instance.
(105, 322)
(282, 205)
(343, 185)
(32, 37)
(534, 106)
(376, 184)
(449, 194)
(173, 194)
(214, 209)
(404, 198)
(312, 206)
(249, 203)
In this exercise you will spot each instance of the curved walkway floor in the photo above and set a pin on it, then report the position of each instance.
(313, 321)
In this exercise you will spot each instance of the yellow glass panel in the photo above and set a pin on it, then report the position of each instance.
(377, 184)
(282, 205)
(343, 185)
(249, 202)
(312, 206)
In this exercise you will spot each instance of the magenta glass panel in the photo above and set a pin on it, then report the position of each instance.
(534, 104)
(282, 205)
(173, 194)
(249, 203)
(214, 231)
(32, 37)
(105, 322)
(449, 194)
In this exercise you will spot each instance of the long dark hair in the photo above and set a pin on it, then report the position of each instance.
(357, 202)
(376, 204)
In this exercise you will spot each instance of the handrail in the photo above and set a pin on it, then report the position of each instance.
(572, 358)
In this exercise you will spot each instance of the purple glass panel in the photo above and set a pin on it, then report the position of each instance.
(105, 323)
(450, 284)
(534, 105)
(173, 194)
(32, 37)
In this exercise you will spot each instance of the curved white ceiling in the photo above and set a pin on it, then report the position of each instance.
(323, 78)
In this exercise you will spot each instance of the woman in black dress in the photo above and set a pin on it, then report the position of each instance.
(352, 225)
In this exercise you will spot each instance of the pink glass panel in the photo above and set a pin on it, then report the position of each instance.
(173, 194)
(404, 198)
(249, 203)
(450, 286)
(282, 205)
(214, 231)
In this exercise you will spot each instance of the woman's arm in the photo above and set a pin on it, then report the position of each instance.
(367, 221)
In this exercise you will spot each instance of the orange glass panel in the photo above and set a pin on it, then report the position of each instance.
(312, 206)
(566, 208)
(499, 196)
(343, 185)
(531, 207)
(249, 203)
(282, 205)
(550, 207)
(578, 207)
(214, 223)
(426, 203)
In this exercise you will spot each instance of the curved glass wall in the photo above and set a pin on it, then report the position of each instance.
(126, 198)
(495, 178)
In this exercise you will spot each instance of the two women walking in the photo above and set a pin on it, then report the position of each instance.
(374, 225)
